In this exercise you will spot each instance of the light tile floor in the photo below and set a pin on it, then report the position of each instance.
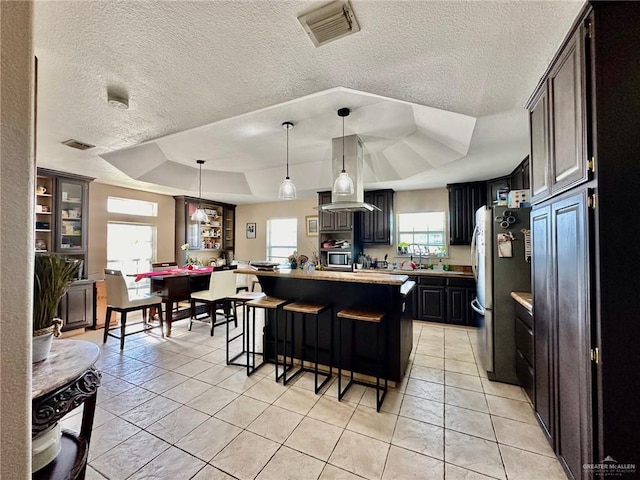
(172, 409)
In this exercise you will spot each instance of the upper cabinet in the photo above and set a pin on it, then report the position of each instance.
(71, 231)
(61, 213)
(333, 221)
(557, 118)
(377, 226)
(519, 179)
(218, 234)
(464, 200)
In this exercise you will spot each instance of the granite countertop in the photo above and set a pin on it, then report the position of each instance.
(365, 276)
(523, 298)
(422, 272)
(67, 361)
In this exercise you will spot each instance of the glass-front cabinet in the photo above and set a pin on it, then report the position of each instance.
(204, 235)
(61, 209)
(216, 235)
(71, 224)
(44, 214)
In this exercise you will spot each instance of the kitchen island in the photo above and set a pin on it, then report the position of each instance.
(389, 293)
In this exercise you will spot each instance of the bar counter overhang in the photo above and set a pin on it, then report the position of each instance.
(392, 294)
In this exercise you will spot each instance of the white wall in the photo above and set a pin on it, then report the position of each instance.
(259, 213)
(99, 217)
(17, 175)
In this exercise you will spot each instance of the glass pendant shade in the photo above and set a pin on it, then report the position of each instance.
(200, 215)
(287, 190)
(343, 184)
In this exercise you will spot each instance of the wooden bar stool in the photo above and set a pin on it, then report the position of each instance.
(372, 317)
(240, 298)
(268, 304)
(306, 309)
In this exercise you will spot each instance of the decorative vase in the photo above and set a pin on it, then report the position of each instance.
(41, 341)
(45, 447)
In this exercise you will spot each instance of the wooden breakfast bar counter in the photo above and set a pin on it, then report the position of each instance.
(388, 293)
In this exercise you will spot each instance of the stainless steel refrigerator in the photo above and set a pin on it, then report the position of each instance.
(499, 231)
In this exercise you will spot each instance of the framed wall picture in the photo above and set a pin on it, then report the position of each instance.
(251, 230)
(312, 225)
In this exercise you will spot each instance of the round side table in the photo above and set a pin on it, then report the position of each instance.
(64, 381)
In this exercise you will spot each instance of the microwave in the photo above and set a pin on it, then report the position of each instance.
(339, 260)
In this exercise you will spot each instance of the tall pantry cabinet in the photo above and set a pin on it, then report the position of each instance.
(585, 175)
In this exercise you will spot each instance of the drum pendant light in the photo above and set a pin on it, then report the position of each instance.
(287, 190)
(343, 184)
(200, 215)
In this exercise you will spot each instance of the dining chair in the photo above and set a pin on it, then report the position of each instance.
(118, 301)
(222, 285)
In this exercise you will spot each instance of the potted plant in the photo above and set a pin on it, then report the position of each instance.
(52, 276)
(403, 248)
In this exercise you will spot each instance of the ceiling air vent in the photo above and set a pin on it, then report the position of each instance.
(330, 23)
(76, 144)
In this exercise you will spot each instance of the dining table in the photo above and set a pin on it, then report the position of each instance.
(175, 285)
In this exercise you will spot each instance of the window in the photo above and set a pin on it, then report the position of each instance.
(424, 232)
(129, 206)
(131, 248)
(282, 238)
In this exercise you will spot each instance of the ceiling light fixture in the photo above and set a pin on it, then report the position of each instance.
(200, 215)
(343, 184)
(287, 190)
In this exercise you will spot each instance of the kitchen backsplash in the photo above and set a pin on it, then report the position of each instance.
(458, 255)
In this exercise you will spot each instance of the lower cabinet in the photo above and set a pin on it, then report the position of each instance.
(561, 296)
(524, 347)
(445, 300)
(77, 305)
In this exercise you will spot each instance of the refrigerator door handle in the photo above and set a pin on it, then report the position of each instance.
(476, 307)
(474, 253)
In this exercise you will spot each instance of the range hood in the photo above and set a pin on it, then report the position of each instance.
(354, 166)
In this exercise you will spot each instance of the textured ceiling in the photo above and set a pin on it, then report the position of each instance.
(185, 65)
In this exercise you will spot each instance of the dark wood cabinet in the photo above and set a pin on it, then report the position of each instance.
(539, 146)
(495, 185)
(460, 292)
(77, 306)
(464, 200)
(377, 226)
(541, 271)
(326, 218)
(561, 251)
(519, 178)
(524, 348)
(432, 303)
(62, 212)
(445, 299)
(557, 115)
(567, 115)
(217, 235)
(338, 226)
(333, 221)
(587, 368)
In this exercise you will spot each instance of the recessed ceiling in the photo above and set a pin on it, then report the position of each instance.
(436, 88)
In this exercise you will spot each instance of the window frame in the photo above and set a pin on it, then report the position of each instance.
(424, 251)
(269, 246)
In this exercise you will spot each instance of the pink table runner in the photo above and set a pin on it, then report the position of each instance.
(173, 271)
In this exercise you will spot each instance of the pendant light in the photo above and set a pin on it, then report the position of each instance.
(287, 190)
(343, 184)
(200, 215)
